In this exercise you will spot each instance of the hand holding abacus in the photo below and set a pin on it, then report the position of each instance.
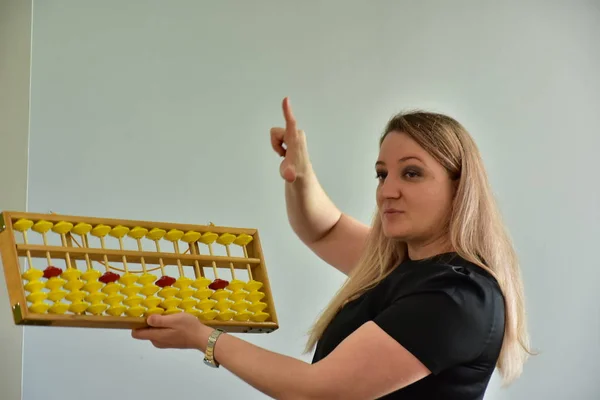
(175, 331)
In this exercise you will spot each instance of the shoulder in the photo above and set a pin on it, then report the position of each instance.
(444, 310)
(449, 275)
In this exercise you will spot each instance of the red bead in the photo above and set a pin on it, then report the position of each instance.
(109, 277)
(165, 281)
(52, 272)
(218, 284)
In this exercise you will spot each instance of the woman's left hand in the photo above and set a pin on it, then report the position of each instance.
(175, 331)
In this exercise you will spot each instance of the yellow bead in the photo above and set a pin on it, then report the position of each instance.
(42, 226)
(23, 224)
(138, 232)
(243, 239)
(101, 230)
(62, 227)
(82, 229)
(174, 235)
(119, 231)
(191, 236)
(226, 239)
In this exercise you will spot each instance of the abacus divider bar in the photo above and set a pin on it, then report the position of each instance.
(135, 256)
(261, 275)
(11, 266)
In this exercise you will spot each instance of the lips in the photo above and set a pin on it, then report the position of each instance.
(392, 211)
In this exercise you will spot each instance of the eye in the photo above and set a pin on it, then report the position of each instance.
(412, 173)
(381, 175)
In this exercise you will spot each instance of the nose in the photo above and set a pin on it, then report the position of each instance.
(390, 189)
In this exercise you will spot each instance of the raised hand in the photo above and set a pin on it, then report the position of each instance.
(290, 143)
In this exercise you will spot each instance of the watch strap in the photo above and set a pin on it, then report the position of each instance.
(209, 354)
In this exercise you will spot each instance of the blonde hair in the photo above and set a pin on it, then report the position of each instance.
(476, 232)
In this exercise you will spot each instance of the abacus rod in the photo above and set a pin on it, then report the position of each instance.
(103, 245)
(230, 263)
(45, 239)
(192, 250)
(176, 248)
(247, 264)
(214, 265)
(160, 260)
(84, 240)
(124, 258)
(63, 240)
(139, 243)
(28, 252)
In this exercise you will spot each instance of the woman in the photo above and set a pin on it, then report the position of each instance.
(433, 301)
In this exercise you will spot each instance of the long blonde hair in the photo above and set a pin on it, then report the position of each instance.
(476, 232)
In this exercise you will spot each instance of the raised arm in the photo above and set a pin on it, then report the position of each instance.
(335, 237)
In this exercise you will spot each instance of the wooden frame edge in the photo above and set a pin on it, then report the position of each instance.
(12, 269)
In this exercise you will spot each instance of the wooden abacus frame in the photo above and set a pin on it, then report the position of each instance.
(76, 248)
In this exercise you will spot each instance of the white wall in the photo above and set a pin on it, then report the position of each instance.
(190, 90)
(15, 49)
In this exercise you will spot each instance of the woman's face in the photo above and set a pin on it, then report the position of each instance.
(415, 192)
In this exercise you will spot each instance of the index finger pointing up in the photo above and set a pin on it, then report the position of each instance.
(290, 120)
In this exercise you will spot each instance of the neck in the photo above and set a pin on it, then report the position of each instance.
(418, 250)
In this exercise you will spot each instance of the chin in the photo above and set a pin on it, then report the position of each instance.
(395, 231)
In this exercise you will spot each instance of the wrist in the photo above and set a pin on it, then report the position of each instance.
(304, 178)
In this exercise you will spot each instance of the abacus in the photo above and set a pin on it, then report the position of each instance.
(74, 271)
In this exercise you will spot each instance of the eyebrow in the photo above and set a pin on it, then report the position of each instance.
(401, 160)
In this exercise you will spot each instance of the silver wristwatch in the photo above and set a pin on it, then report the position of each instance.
(209, 354)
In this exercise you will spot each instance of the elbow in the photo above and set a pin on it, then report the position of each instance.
(321, 235)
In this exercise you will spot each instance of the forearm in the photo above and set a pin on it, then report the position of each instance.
(276, 375)
(310, 211)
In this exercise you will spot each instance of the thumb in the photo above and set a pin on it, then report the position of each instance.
(287, 169)
(289, 173)
(158, 321)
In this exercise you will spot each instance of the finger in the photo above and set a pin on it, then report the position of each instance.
(160, 334)
(160, 345)
(290, 120)
(143, 333)
(157, 321)
(163, 321)
(277, 141)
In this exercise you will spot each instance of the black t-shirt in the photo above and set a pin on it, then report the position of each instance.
(448, 312)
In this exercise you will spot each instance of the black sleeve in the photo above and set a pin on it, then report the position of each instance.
(441, 325)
